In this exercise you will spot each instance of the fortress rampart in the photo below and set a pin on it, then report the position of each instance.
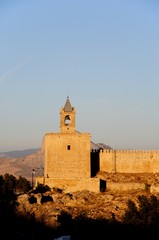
(71, 163)
(129, 161)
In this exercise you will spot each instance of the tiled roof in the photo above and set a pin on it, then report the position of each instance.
(68, 107)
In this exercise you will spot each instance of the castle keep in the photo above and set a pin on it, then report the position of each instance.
(67, 155)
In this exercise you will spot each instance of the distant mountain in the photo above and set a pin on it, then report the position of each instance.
(103, 146)
(18, 154)
(97, 146)
(21, 163)
(26, 152)
(23, 166)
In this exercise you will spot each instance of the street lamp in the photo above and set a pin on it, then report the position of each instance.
(33, 172)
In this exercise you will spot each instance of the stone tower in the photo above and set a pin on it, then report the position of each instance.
(67, 155)
(67, 118)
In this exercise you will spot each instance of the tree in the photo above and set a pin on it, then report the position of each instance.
(10, 181)
(146, 214)
(131, 215)
(23, 185)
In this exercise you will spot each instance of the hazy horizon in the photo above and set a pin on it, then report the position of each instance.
(103, 54)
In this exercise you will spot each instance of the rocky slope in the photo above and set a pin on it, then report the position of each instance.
(94, 205)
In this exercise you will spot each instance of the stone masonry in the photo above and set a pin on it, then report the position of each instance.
(67, 155)
(70, 164)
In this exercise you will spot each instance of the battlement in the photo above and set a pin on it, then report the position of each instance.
(129, 151)
(129, 161)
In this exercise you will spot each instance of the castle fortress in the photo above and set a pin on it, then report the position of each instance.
(67, 162)
(70, 162)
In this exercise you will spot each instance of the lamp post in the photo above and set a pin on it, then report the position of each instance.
(33, 172)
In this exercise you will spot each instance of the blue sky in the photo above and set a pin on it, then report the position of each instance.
(103, 54)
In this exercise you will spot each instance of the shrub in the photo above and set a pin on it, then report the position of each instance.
(32, 199)
(42, 188)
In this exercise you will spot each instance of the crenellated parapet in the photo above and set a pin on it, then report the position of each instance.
(128, 151)
(129, 161)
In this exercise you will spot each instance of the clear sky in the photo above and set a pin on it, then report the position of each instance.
(103, 54)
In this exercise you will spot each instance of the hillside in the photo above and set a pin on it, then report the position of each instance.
(18, 154)
(22, 166)
(112, 202)
(94, 205)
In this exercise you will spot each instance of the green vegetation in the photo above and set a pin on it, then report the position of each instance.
(12, 224)
(40, 188)
(20, 185)
(140, 220)
(145, 215)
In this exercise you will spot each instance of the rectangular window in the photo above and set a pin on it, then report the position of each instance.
(68, 147)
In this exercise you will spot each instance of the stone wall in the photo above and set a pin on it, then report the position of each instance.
(72, 184)
(125, 186)
(129, 161)
(67, 162)
(67, 155)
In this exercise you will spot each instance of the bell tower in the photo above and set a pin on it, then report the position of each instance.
(67, 163)
(67, 118)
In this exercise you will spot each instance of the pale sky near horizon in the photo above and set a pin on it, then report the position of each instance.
(103, 54)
